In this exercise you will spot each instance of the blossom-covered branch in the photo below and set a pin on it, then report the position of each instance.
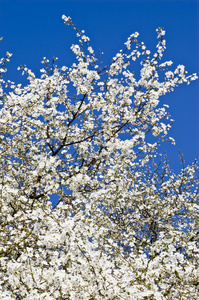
(124, 225)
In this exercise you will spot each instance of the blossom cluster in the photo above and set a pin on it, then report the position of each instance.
(124, 225)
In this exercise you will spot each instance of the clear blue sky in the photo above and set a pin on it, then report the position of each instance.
(34, 29)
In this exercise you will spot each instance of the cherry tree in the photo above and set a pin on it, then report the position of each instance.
(125, 226)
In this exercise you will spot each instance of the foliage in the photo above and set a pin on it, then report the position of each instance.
(125, 226)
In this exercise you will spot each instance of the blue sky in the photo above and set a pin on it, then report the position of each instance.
(34, 29)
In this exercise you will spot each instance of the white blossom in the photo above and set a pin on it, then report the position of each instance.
(124, 226)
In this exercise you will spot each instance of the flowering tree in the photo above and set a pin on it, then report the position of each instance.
(125, 226)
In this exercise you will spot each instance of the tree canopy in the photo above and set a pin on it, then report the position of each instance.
(125, 226)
